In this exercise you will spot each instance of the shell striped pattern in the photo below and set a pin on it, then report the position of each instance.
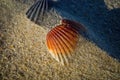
(37, 10)
(62, 40)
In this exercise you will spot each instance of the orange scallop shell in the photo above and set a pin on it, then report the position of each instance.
(62, 40)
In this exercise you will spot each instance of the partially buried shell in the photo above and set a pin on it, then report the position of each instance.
(37, 9)
(62, 40)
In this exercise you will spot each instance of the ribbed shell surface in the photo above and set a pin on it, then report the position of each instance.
(61, 42)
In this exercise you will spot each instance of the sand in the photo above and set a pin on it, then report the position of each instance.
(24, 55)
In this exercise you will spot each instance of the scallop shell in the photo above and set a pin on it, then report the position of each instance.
(37, 10)
(77, 26)
(62, 40)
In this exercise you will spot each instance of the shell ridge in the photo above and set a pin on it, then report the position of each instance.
(64, 42)
(33, 13)
(38, 11)
(59, 46)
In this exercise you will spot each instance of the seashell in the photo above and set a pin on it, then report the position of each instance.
(37, 9)
(42, 12)
(62, 40)
(77, 26)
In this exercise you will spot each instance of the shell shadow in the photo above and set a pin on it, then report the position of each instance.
(112, 31)
(102, 24)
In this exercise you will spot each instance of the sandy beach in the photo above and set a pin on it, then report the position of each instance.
(24, 55)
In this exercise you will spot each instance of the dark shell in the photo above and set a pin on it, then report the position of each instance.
(37, 10)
